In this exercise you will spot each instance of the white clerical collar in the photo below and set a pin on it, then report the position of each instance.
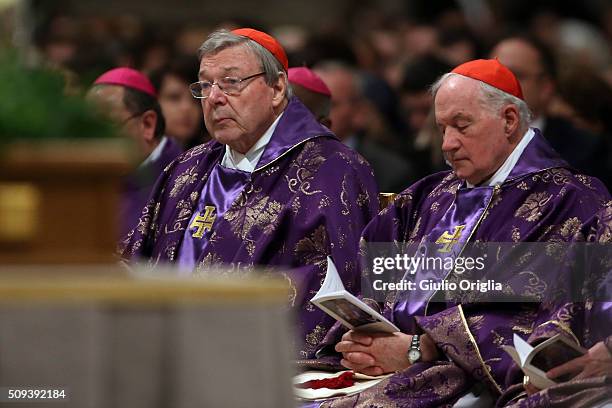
(248, 161)
(156, 152)
(502, 173)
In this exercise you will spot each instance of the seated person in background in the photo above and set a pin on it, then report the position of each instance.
(589, 107)
(183, 114)
(423, 143)
(506, 185)
(312, 91)
(348, 108)
(273, 188)
(535, 67)
(131, 100)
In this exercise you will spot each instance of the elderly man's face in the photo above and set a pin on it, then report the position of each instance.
(238, 120)
(474, 140)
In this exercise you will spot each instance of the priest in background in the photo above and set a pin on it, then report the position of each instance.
(312, 92)
(130, 99)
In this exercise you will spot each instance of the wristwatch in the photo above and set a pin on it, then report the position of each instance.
(414, 353)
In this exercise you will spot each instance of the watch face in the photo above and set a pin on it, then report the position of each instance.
(414, 355)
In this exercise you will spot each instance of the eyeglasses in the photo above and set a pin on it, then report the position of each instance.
(229, 85)
(133, 116)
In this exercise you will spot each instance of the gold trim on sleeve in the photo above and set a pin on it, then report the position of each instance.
(473, 340)
(563, 327)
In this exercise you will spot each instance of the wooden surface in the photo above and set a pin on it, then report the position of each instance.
(113, 341)
(114, 285)
(59, 201)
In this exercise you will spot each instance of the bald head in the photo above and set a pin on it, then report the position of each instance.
(527, 62)
(342, 82)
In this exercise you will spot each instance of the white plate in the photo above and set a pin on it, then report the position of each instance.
(362, 382)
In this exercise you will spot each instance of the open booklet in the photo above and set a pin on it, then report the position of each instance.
(337, 302)
(536, 361)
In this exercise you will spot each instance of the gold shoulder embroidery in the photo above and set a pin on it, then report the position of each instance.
(312, 250)
(531, 209)
(189, 176)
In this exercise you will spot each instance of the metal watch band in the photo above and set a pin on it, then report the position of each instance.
(416, 342)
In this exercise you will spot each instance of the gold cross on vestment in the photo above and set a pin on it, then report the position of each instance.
(448, 239)
(203, 222)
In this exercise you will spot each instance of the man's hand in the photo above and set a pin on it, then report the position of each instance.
(380, 353)
(530, 388)
(598, 361)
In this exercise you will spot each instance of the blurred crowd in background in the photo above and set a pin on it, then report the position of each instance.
(379, 67)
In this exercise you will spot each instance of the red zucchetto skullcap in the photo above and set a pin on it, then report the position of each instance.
(266, 41)
(128, 77)
(305, 77)
(491, 72)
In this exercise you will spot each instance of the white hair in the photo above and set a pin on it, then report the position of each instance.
(493, 99)
(222, 39)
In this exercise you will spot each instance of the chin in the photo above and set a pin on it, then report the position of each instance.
(469, 177)
(224, 137)
(461, 173)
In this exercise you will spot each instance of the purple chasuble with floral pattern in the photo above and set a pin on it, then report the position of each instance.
(219, 193)
(309, 197)
(542, 200)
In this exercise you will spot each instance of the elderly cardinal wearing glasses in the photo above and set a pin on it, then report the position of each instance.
(273, 188)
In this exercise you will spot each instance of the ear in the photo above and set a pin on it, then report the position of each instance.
(279, 89)
(510, 115)
(147, 123)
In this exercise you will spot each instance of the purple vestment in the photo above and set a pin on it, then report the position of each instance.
(309, 197)
(137, 186)
(542, 200)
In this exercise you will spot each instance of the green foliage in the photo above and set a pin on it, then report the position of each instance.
(33, 106)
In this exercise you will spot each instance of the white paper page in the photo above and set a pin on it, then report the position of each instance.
(522, 348)
(512, 351)
(332, 282)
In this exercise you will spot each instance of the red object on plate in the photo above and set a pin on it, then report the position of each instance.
(344, 380)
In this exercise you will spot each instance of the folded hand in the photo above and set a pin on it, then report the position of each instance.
(380, 353)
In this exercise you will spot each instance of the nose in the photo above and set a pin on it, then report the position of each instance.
(217, 96)
(450, 141)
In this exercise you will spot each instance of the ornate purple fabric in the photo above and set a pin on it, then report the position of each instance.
(309, 197)
(543, 200)
(466, 210)
(137, 186)
(220, 192)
